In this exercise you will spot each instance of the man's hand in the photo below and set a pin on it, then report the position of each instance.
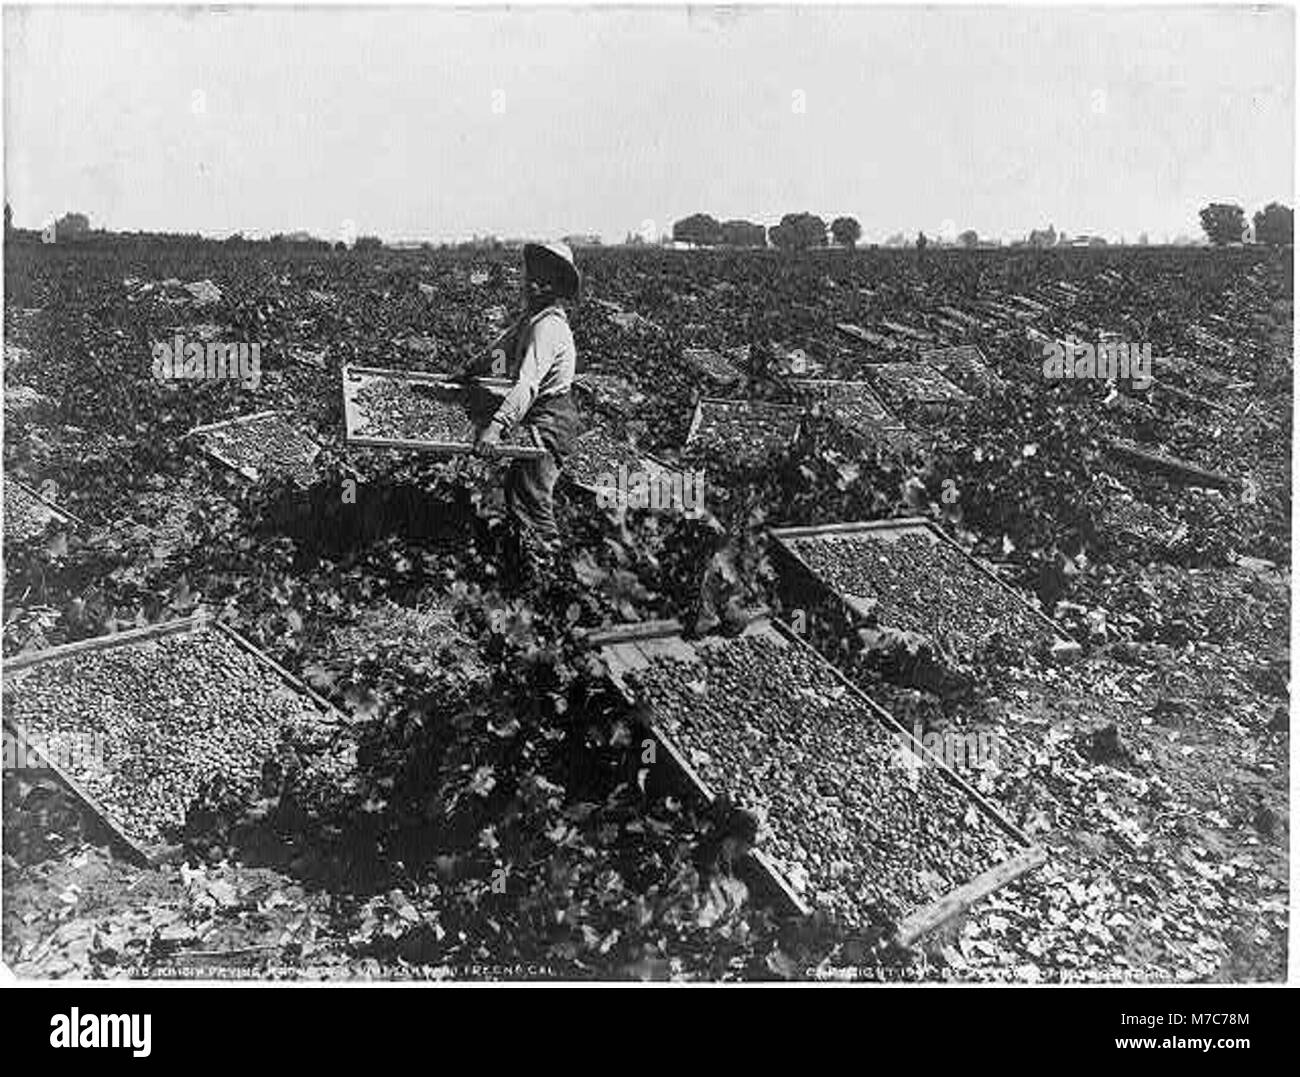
(489, 441)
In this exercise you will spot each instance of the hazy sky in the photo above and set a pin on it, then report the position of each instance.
(418, 122)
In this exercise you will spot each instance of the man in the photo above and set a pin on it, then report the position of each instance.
(540, 358)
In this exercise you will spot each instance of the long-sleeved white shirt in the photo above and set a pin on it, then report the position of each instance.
(544, 363)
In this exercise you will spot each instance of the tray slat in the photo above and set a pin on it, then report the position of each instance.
(925, 920)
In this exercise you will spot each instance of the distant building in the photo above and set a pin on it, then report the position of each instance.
(584, 240)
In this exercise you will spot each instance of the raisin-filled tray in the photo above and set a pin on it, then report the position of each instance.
(855, 817)
(907, 574)
(915, 385)
(965, 367)
(28, 515)
(745, 430)
(175, 709)
(853, 403)
(261, 444)
(399, 409)
(598, 459)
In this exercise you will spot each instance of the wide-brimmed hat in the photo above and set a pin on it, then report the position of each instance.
(554, 260)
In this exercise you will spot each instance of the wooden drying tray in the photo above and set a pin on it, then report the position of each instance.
(1063, 645)
(355, 376)
(649, 464)
(785, 411)
(819, 387)
(965, 360)
(917, 396)
(244, 471)
(140, 852)
(627, 647)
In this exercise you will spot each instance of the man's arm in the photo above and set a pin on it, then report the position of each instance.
(536, 363)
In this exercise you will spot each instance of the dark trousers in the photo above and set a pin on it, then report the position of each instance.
(530, 490)
(551, 424)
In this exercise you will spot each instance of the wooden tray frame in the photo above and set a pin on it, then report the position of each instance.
(958, 398)
(62, 515)
(352, 376)
(812, 385)
(979, 370)
(243, 471)
(141, 852)
(644, 458)
(629, 647)
(1064, 646)
(790, 410)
